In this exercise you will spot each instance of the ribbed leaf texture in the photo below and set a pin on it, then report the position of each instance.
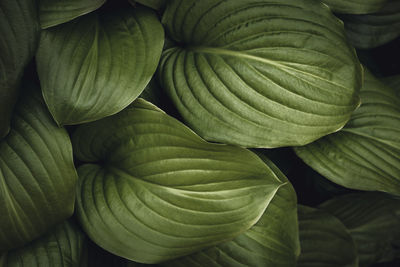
(18, 42)
(324, 240)
(55, 12)
(373, 30)
(373, 220)
(259, 73)
(62, 247)
(97, 65)
(37, 174)
(364, 155)
(272, 241)
(156, 191)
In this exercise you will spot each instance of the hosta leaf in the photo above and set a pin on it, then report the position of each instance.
(97, 65)
(373, 220)
(18, 42)
(156, 191)
(324, 240)
(355, 6)
(61, 247)
(155, 4)
(272, 241)
(365, 155)
(54, 12)
(259, 73)
(373, 30)
(37, 174)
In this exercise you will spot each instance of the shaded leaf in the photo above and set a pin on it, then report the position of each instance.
(259, 73)
(365, 155)
(55, 12)
(61, 247)
(373, 220)
(373, 30)
(324, 240)
(97, 65)
(156, 191)
(37, 174)
(18, 41)
(272, 241)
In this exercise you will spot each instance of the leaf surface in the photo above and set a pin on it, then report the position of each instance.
(156, 191)
(373, 220)
(259, 73)
(272, 241)
(61, 247)
(37, 174)
(365, 154)
(324, 240)
(55, 12)
(18, 41)
(373, 30)
(97, 65)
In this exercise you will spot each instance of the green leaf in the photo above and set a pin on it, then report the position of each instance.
(259, 73)
(365, 155)
(18, 41)
(97, 65)
(272, 241)
(55, 12)
(324, 240)
(155, 191)
(373, 220)
(355, 6)
(373, 30)
(155, 4)
(62, 247)
(37, 174)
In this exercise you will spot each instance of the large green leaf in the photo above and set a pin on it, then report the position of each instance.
(373, 30)
(54, 12)
(355, 6)
(324, 240)
(18, 42)
(259, 73)
(97, 65)
(61, 247)
(366, 153)
(272, 241)
(156, 191)
(37, 174)
(373, 220)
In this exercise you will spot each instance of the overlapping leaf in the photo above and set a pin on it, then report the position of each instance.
(373, 220)
(373, 30)
(273, 241)
(97, 65)
(54, 12)
(156, 191)
(324, 240)
(18, 42)
(37, 175)
(259, 73)
(366, 153)
(355, 6)
(62, 247)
